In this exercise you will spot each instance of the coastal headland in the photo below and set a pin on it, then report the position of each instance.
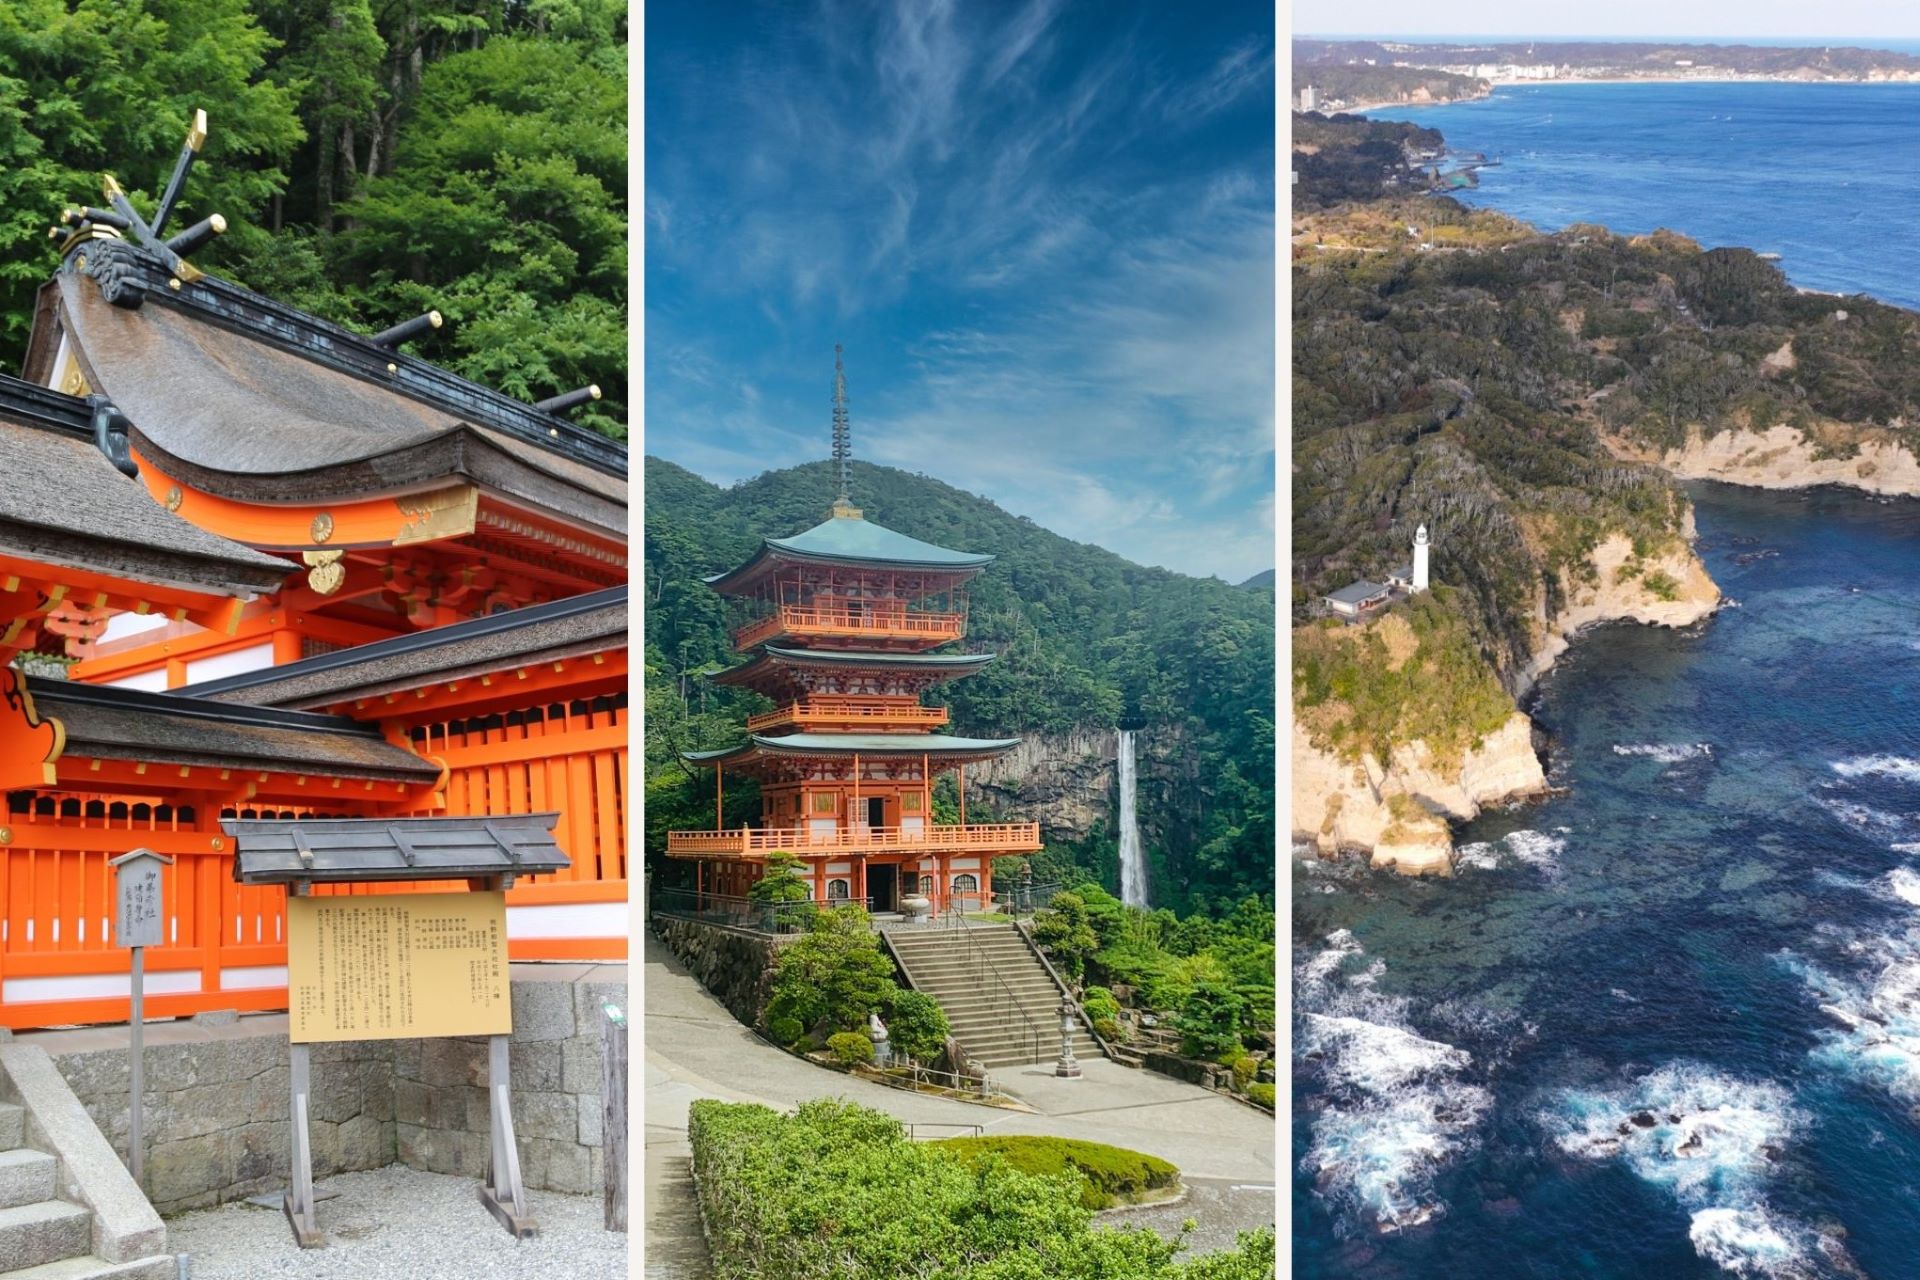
(1535, 398)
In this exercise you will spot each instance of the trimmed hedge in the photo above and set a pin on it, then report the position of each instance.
(1113, 1175)
(837, 1192)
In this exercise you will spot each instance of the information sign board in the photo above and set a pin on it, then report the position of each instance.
(397, 965)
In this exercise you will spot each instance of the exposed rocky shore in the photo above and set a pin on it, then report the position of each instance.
(1784, 457)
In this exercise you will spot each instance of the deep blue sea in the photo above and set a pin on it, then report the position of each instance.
(1665, 1023)
(1827, 176)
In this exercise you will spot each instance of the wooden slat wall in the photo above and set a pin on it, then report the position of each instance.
(56, 889)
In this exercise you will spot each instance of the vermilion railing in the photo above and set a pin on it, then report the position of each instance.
(861, 711)
(802, 620)
(751, 840)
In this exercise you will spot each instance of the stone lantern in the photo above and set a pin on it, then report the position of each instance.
(877, 1032)
(1067, 1067)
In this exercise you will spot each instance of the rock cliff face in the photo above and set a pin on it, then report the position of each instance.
(1344, 806)
(1069, 783)
(1621, 591)
(1783, 457)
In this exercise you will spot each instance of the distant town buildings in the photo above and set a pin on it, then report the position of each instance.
(1309, 99)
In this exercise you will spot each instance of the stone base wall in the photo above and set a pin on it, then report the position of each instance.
(216, 1111)
(735, 966)
(440, 1090)
(217, 1095)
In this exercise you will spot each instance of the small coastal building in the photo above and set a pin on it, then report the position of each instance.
(1355, 599)
(844, 619)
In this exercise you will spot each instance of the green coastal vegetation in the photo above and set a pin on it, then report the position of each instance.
(373, 161)
(837, 1191)
(1458, 368)
(1084, 640)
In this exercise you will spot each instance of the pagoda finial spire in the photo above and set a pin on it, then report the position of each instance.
(842, 438)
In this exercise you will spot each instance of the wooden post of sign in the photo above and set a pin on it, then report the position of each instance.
(501, 1190)
(302, 1214)
(139, 915)
(613, 1123)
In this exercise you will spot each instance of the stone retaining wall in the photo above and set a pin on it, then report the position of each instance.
(732, 964)
(217, 1095)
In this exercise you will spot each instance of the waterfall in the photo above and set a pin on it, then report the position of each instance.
(1133, 863)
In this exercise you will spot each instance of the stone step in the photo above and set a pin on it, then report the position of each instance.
(32, 1234)
(974, 974)
(26, 1177)
(161, 1266)
(13, 1126)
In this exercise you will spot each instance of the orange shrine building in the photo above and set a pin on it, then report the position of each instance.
(844, 623)
(298, 572)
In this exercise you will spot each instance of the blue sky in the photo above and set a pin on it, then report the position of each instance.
(1044, 232)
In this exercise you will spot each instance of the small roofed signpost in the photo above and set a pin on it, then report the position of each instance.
(387, 966)
(139, 922)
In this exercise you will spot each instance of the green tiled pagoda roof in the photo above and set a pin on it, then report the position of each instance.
(840, 744)
(853, 540)
(770, 656)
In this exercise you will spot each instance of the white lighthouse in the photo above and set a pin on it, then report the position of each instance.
(1420, 559)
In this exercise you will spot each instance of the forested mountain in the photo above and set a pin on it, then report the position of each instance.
(373, 159)
(1085, 638)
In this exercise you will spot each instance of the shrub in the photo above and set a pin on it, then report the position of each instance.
(1209, 1022)
(835, 973)
(1111, 1175)
(916, 1025)
(1262, 1093)
(1067, 934)
(1100, 1005)
(785, 1028)
(1109, 1030)
(837, 1192)
(850, 1047)
(784, 888)
(1244, 1068)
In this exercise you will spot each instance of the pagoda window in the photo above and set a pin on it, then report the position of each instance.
(837, 891)
(926, 886)
(966, 882)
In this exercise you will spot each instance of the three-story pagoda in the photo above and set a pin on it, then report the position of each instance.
(845, 619)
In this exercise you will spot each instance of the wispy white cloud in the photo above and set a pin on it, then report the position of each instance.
(1073, 323)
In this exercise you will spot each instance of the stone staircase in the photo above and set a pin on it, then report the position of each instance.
(44, 1235)
(1002, 1004)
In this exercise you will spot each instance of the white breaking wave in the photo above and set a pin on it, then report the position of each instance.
(1867, 820)
(1711, 1141)
(1900, 767)
(1395, 1111)
(1534, 848)
(1904, 883)
(1874, 1034)
(1747, 1243)
(1666, 752)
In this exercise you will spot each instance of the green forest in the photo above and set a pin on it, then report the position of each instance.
(1084, 638)
(374, 159)
(1459, 368)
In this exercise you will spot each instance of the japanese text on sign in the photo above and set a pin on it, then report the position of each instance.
(387, 966)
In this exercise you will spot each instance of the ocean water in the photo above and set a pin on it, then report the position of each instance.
(1827, 176)
(1665, 1023)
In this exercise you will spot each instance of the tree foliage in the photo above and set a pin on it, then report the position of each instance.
(372, 162)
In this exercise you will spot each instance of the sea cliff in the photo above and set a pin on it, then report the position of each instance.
(1392, 791)
(1786, 457)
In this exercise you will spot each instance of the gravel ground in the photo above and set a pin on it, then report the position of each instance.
(400, 1224)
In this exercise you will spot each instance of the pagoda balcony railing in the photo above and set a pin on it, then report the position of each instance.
(878, 713)
(750, 841)
(867, 624)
